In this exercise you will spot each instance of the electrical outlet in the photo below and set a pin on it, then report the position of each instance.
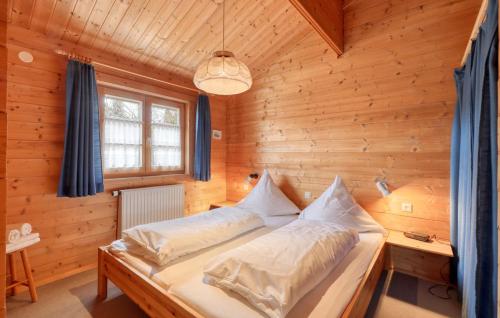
(245, 187)
(407, 207)
(307, 195)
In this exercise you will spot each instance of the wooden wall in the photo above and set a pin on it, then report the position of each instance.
(72, 229)
(383, 109)
(3, 144)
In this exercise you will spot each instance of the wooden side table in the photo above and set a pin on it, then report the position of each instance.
(222, 204)
(426, 260)
(28, 282)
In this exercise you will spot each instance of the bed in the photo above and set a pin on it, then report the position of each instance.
(177, 290)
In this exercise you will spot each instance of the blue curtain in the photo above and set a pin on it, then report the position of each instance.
(203, 140)
(81, 171)
(474, 173)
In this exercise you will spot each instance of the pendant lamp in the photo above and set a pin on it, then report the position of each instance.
(223, 73)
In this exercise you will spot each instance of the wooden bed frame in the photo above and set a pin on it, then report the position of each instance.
(155, 301)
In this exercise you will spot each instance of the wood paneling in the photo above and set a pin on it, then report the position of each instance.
(3, 148)
(38, 41)
(72, 229)
(383, 109)
(174, 35)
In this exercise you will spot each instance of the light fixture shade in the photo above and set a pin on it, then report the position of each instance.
(223, 74)
(383, 188)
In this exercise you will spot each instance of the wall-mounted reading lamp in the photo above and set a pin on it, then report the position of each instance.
(248, 180)
(251, 177)
(382, 187)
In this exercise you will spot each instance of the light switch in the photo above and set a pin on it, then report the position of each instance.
(307, 195)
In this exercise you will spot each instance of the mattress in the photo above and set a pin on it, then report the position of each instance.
(184, 278)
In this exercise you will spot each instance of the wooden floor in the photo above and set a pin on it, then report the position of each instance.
(75, 297)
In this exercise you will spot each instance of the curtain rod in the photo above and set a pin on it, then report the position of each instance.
(481, 16)
(90, 61)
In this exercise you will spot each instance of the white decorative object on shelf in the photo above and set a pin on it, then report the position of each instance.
(22, 243)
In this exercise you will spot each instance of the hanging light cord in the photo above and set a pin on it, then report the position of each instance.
(223, 23)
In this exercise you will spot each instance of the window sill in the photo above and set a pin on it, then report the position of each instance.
(176, 177)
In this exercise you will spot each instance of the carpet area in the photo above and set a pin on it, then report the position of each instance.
(410, 297)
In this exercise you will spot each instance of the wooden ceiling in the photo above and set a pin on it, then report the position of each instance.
(173, 35)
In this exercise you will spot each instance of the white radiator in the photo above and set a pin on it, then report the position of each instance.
(148, 205)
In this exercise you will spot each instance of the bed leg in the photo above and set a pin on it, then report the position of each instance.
(102, 280)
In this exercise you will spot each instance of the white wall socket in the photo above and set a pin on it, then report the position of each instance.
(407, 207)
(307, 195)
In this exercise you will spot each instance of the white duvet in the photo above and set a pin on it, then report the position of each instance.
(274, 271)
(163, 242)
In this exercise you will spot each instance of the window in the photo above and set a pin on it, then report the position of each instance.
(141, 135)
(166, 148)
(123, 128)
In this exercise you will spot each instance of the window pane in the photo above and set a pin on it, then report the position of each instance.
(166, 146)
(122, 108)
(168, 136)
(166, 157)
(122, 133)
(164, 115)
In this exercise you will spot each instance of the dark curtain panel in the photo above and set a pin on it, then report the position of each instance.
(203, 140)
(81, 171)
(486, 233)
(474, 173)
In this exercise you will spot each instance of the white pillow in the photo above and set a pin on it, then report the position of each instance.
(267, 199)
(338, 206)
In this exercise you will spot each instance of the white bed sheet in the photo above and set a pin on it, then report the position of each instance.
(184, 267)
(328, 299)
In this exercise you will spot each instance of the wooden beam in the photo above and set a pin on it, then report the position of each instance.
(327, 18)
